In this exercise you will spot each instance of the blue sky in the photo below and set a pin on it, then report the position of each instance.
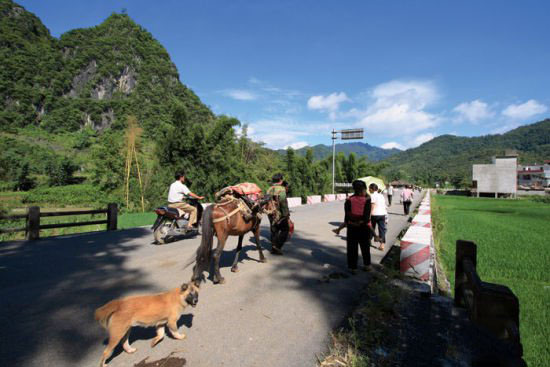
(405, 71)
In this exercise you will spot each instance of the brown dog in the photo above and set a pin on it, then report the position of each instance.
(160, 310)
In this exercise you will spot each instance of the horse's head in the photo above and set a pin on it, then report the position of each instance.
(270, 205)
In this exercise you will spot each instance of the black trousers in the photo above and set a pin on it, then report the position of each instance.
(279, 233)
(358, 236)
(406, 206)
(389, 199)
(380, 222)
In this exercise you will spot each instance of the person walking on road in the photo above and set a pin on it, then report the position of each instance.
(378, 214)
(390, 194)
(406, 198)
(357, 218)
(280, 229)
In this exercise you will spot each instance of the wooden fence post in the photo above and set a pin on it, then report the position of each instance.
(464, 249)
(112, 216)
(33, 223)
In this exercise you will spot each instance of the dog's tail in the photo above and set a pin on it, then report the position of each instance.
(104, 313)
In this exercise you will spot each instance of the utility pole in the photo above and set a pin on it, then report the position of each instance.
(333, 155)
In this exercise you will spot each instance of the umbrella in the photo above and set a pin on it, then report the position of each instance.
(371, 179)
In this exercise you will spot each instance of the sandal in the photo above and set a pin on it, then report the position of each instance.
(381, 247)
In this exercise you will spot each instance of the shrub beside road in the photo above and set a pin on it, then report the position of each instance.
(512, 238)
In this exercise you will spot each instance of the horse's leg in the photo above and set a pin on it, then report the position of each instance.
(258, 245)
(222, 237)
(234, 267)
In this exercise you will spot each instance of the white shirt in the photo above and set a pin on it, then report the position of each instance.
(390, 190)
(379, 204)
(177, 190)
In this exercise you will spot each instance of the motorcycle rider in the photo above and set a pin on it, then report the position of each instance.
(177, 196)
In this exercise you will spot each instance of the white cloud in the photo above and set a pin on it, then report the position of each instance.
(524, 110)
(504, 128)
(240, 94)
(398, 108)
(391, 145)
(422, 138)
(473, 111)
(282, 131)
(329, 103)
(297, 145)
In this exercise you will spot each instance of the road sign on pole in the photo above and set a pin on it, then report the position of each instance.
(347, 134)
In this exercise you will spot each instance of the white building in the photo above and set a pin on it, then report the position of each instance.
(500, 177)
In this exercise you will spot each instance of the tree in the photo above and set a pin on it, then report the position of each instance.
(24, 182)
(61, 172)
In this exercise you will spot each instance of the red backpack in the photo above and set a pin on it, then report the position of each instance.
(357, 207)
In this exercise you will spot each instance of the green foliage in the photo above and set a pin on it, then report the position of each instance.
(24, 182)
(512, 237)
(85, 195)
(450, 158)
(61, 172)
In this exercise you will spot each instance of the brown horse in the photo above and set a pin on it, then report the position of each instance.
(223, 220)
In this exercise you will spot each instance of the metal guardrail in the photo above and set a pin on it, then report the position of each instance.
(32, 226)
(492, 306)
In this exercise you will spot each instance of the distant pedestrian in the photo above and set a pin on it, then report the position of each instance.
(406, 197)
(390, 194)
(378, 214)
(357, 218)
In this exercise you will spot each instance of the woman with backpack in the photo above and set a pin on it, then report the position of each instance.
(357, 218)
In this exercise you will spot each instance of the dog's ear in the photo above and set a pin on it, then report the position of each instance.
(184, 287)
(197, 283)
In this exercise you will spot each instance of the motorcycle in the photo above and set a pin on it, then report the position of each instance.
(170, 223)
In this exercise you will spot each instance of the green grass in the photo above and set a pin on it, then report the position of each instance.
(132, 220)
(512, 238)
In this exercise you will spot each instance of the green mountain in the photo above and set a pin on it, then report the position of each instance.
(450, 158)
(70, 107)
(89, 77)
(372, 153)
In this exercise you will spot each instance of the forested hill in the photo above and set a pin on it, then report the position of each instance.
(450, 158)
(373, 153)
(92, 77)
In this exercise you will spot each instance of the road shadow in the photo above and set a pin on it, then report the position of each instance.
(148, 333)
(50, 288)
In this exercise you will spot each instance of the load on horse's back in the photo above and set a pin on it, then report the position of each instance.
(235, 213)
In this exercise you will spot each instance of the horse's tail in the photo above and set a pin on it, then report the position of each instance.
(204, 251)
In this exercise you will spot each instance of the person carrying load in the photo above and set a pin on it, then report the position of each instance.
(280, 223)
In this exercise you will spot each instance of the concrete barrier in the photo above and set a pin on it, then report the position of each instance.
(314, 199)
(341, 196)
(329, 197)
(417, 247)
(293, 202)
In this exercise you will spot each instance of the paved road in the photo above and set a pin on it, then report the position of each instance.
(272, 314)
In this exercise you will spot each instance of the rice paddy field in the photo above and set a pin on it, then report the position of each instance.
(513, 244)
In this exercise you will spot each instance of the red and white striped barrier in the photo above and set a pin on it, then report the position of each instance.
(329, 197)
(417, 249)
(341, 196)
(293, 202)
(315, 199)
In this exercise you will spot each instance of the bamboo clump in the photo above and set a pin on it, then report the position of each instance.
(133, 133)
